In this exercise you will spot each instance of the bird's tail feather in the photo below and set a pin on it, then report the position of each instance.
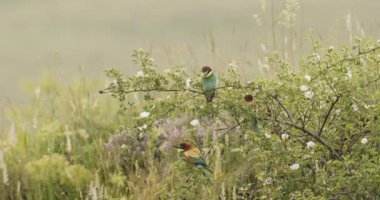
(204, 166)
(210, 95)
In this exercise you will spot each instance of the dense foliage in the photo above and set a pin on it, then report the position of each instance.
(309, 133)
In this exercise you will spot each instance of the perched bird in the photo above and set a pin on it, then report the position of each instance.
(209, 82)
(192, 155)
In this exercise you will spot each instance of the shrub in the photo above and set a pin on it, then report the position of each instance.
(318, 125)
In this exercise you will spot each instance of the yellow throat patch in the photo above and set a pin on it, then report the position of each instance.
(208, 75)
(179, 150)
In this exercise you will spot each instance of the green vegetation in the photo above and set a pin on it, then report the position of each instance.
(318, 134)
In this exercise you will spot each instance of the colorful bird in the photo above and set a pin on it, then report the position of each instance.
(192, 155)
(209, 82)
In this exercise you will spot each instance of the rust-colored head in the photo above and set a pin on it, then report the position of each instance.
(206, 71)
(184, 145)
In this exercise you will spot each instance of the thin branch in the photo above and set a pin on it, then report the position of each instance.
(373, 81)
(153, 90)
(349, 59)
(282, 106)
(176, 105)
(224, 121)
(226, 131)
(164, 90)
(355, 138)
(315, 136)
(328, 115)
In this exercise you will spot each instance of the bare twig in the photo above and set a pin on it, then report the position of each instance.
(153, 90)
(282, 106)
(224, 121)
(328, 115)
(175, 105)
(315, 136)
(226, 131)
(164, 90)
(350, 59)
(355, 138)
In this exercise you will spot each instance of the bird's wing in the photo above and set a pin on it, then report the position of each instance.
(193, 152)
(194, 156)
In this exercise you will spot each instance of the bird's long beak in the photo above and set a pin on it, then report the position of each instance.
(206, 74)
(179, 149)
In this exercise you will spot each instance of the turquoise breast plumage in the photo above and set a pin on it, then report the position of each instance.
(209, 83)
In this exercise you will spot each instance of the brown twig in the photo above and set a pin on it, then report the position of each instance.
(328, 115)
(315, 136)
(355, 138)
(153, 90)
(282, 106)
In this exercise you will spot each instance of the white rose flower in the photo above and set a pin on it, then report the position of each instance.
(139, 74)
(318, 57)
(295, 166)
(142, 127)
(284, 136)
(310, 144)
(268, 181)
(308, 77)
(194, 122)
(354, 107)
(338, 111)
(188, 81)
(304, 88)
(144, 114)
(309, 94)
(348, 74)
(364, 141)
(267, 135)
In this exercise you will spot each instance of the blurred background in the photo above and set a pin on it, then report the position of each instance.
(75, 38)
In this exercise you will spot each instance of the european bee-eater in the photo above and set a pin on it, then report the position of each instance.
(192, 155)
(209, 82)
